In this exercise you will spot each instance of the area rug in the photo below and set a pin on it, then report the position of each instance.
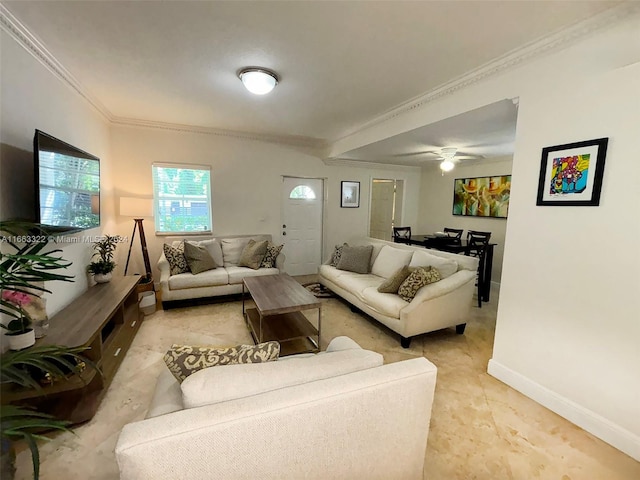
(319, 290)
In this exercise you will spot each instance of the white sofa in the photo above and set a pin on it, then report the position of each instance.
(224, 280)
(339, 414)
(438, 305)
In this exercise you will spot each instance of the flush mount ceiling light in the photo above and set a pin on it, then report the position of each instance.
(258, 81)
(447, 155)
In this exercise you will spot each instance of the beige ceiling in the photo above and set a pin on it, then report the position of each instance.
(341, 63)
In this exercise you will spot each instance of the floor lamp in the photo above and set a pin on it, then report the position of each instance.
(138, 208)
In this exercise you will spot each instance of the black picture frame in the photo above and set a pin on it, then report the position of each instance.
(349, 194)
(579, 181)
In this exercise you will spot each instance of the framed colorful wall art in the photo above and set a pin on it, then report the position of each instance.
(571, 174)
(482, 196)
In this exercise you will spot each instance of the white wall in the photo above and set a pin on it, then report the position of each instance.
(568, 333)
(246, 184)
(436, 205)
(34, 98)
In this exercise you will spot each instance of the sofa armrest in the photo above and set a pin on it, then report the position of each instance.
(280, 261)
(441, 288)
(165, 271)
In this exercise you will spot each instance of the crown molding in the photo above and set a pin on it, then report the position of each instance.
(10, 24)
(347, 162)
(289, 140)
(515, 57)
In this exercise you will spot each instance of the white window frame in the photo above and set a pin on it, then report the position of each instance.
(180, 197)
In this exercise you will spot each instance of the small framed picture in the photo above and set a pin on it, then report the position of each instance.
(350, 195)
(571, 174)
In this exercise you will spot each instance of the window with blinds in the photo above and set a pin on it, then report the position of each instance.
(182, 198)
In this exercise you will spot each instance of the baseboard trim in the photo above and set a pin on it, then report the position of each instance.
(604, 429)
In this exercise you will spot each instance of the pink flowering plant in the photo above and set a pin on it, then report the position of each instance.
(25, 264)
(16, 301)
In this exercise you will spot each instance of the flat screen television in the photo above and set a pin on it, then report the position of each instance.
(67, 185)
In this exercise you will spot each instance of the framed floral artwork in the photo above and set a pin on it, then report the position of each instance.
(571, 174)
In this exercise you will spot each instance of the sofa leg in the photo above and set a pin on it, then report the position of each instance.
(405, 342)
(460, 328)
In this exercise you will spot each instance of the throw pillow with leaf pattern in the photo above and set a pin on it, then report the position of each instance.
(269, 260)
(420, 277)
(175, 257)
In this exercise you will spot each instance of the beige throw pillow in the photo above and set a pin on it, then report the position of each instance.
(392, 284)
(198, 258)
(253, 254)
(418, 279)
(183, 360)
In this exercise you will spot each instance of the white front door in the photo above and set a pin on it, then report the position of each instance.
(302, 224)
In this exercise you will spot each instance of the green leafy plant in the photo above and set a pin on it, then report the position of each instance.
(104, 250)
(21, 368)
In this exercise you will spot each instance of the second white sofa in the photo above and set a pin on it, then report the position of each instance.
(442, 304)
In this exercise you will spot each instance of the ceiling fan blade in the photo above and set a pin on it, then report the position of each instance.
(417, 154)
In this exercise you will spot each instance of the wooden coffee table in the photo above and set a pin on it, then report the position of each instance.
(279, 302)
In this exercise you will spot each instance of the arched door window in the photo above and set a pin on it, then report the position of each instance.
(302, 191)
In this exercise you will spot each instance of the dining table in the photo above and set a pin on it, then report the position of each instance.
(453, 245)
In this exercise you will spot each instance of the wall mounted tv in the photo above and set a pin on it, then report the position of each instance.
(67, 185)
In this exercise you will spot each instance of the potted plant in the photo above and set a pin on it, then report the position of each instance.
(104, 250)
(19, 331)
(22, 275)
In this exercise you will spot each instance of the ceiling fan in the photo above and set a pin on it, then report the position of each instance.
(448, 156)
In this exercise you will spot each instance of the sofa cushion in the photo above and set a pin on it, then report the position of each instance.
(445, 266)
(418, 279)
(185, 360)
(337, 253)
(355, 259)
(356, 283)
(198, 258)
(388, 304)
(236, 274)
(167, 397)
(220, 384)
(252, 254)
(392, 284)
(232, 249)
(390, 260)
(210, 278)
(269, 260)
(175, 257)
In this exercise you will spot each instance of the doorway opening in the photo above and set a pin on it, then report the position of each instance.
(386, 207)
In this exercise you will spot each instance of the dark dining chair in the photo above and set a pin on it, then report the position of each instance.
(477, 243)
(454, 235)
(401, 234)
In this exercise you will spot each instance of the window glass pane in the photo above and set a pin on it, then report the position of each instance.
(182, 199)
(302, 191)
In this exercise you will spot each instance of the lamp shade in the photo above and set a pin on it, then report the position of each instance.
(136, 207)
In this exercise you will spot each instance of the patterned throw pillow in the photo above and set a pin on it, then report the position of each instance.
(198, 258)
(183, 360)
(355, 259)
(253, 254)
(175, 257)
(420, 277)
(269, 260)
(392, 284)
(337, 253)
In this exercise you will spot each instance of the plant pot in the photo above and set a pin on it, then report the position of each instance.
(102, 277)
(21, 340)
